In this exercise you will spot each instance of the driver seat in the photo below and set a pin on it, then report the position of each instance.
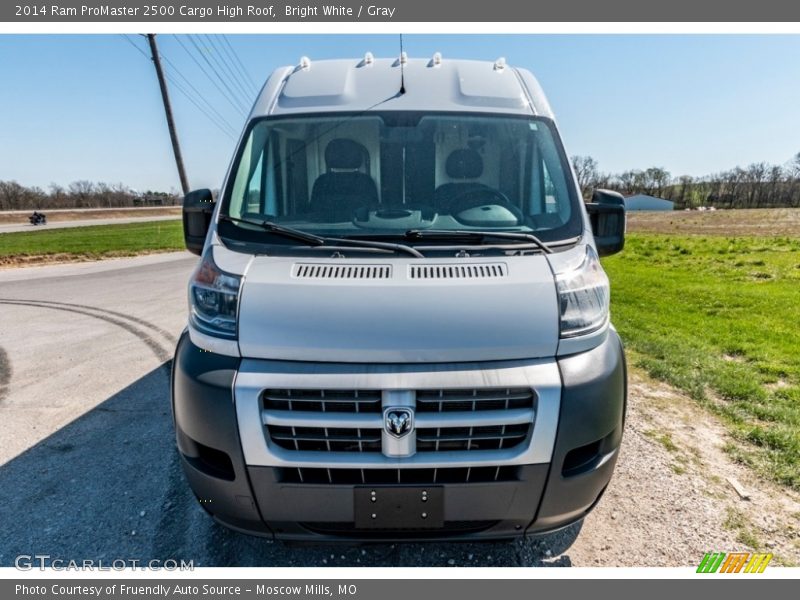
(461, 165)
(344, 187)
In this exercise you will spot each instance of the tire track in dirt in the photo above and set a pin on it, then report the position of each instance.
(161, 353)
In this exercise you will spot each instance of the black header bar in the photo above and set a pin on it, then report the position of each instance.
(437, 11)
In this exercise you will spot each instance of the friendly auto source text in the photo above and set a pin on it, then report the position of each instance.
(165, 591)
(298, 11)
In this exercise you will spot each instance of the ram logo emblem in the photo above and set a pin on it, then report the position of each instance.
(399, 421)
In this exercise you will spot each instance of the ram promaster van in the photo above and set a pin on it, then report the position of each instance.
(399, 326)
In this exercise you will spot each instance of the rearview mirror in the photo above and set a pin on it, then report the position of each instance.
(607, 215)
(198, 207)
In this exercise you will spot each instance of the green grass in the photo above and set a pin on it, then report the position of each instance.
(719, 318)
(665, 439)
(735, 520)
(92, 242)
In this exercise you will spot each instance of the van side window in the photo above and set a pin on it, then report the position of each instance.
(252, 199)
(546, 193)
(261, 193)
(550, 205)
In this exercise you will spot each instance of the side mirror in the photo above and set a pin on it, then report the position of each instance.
(607, 215)
(198, 207)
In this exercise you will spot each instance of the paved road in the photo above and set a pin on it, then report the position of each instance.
(87, 462)
(83, 223)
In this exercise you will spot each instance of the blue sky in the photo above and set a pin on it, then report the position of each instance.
(88, 106)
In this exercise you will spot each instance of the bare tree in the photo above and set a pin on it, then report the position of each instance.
(586, 171)
(82, 192)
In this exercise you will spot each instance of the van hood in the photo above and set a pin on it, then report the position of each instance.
(398, 311)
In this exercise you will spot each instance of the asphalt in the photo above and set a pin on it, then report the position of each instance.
(15, 228)
(88, 467)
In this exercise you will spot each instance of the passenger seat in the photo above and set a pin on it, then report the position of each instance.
(344, 187)
(461, 165)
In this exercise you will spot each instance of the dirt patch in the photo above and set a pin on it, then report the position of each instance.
(773, 222)
(9, 218)
(31, 260)
(670, 501)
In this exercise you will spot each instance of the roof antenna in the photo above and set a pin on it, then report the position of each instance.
(402, 63)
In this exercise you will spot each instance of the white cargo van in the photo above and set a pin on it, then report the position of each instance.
(399, 326)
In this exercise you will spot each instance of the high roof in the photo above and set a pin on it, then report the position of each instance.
(435, 84)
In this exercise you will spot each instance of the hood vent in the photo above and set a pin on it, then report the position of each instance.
(325, 271)
(476, 271)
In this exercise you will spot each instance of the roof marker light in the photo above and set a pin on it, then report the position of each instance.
(500, 64)
(369, 58)
(305, 63)
(403, 58)
(436, 60)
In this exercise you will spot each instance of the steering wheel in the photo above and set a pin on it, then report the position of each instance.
(488, 200)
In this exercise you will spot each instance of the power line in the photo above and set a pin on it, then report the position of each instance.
(198, 95)
(221, 90)
(232, 57)
(240, 74)
(240, 65)
(132, 43)
(224, 126)
(211, 53)
(234, 77)
(227, 130)
(229, 92)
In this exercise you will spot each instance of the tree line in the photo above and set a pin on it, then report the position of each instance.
(79, 194)
(760, 185)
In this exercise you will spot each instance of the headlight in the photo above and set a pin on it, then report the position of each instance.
(583, 296)
(213, 298)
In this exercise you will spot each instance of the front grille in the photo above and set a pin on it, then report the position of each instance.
(351, 421)
(428, 401)
(474, 399)
(495, 437)
(443, 439)
(308, 475)
(341, 401)
(327, 439)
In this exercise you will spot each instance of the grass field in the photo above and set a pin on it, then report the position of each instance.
(718, 317)
(89, 243)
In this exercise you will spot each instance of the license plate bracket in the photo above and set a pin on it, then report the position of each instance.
(399, 507)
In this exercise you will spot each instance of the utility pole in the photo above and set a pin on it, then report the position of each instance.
(176, 148)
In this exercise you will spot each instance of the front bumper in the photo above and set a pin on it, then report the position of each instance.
(267, 499)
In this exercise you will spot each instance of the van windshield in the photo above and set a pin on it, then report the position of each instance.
(379, 175)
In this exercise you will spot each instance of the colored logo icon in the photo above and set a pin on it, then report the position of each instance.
(734, 562)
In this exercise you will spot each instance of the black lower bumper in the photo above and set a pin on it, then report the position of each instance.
(532, 499)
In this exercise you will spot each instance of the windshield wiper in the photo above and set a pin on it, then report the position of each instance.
(321, 241)
(280, 230)
(372, 244)
(477, 236)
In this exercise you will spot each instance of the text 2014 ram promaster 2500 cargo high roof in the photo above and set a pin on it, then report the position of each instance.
(399, 327)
